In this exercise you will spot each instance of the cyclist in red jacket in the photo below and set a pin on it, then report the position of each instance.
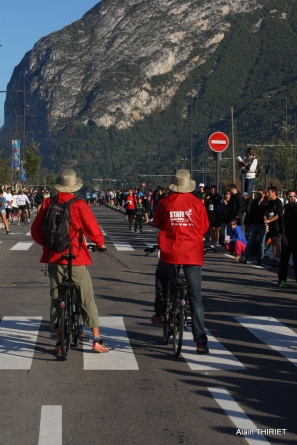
(183, 221)
(82, 220)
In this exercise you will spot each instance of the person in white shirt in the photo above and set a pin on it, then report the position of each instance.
(249, 168)
(22, 203)
(8, 196)
(3, 213)
(14, 209)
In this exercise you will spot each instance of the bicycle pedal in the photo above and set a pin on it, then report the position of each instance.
(84, 337)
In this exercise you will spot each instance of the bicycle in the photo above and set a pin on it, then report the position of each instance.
(70, 319)
(176, 320)
(24, 217)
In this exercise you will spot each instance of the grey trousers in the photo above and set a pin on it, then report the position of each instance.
(84, 292)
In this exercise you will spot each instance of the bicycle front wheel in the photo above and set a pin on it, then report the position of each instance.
(178, 326)
(65, 328)
(167, 321)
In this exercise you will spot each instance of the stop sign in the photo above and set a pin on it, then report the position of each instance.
(143, 184)
(218, 141)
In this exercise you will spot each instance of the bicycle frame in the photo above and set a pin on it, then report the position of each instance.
(175, 307)
(69, 313)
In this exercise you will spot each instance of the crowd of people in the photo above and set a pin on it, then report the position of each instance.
(15, 201)
(243, 224)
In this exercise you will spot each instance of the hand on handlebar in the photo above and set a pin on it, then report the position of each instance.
(93, 247)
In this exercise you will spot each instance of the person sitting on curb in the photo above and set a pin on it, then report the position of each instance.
(235, 240)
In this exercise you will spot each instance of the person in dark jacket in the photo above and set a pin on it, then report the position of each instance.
(139, 214)
(255, 223)
(211, 203)
(146, 205)
(287, 229)
(223, 215)
(235, 203)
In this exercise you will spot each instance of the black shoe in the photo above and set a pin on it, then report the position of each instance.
(7, 232)
(158, 319)
(259, 263)
(242, 260)
(202, 347)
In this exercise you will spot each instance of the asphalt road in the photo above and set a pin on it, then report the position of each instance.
(139, 393)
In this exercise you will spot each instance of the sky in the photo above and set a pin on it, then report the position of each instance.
(24, 22)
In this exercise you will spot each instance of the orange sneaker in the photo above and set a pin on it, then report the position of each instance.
(99, 346)
(58, 348)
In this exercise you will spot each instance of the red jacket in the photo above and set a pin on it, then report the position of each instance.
(183, 221)
(130, 202)
(81, 217)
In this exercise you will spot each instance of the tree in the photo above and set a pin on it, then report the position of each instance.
(284, 156)
(32, 160)
(5, 169)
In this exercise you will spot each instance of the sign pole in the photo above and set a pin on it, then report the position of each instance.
(233, 148)
(218, 180)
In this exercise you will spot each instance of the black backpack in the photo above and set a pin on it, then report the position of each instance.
(56, 225)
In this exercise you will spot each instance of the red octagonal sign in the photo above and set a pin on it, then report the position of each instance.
(218, 141)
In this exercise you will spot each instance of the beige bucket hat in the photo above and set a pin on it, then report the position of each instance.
(182, 182)
(68, 182)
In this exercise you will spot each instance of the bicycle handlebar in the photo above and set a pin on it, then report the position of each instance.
(94, 248)
(151, 249)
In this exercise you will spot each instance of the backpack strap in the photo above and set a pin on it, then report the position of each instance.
(80, 237)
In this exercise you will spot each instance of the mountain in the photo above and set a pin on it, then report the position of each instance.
(131, 78)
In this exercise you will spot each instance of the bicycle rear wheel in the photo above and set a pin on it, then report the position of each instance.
(77, 330)
(167, 322)
(178, 323)
(65, 326)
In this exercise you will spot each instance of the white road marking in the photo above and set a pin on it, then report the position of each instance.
(120, 355)
(103, 232)
(237, 416)
(273, 333)
(123, 246)
(18, 336)
(22, 245)
(152, 244)
(219, 358)
(50, 431)
(228, 255)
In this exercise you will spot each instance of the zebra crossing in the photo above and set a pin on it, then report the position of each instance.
(50, 430)
(121, 246)
(19, 335)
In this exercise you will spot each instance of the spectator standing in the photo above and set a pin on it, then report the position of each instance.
(200, 193)
(223, 215)
(288, 232)
(146, 206)
(235, 204)
(211, 203)
(273, 217)
(130, 208)
(249, 168)
(139, 214)
(255, 223)
(246, 204)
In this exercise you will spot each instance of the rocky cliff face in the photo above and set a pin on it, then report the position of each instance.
(122, 60)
